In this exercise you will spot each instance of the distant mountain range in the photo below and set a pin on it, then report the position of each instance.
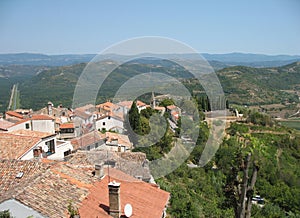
(217, 60)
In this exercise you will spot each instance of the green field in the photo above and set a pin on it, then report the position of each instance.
(292, 124)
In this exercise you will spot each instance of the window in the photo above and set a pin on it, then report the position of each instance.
(88, 148)
(96, 145)
(68, 152)
(103, 123)
(27, 126)
(70, 130)
(51, 147)
(36, 152)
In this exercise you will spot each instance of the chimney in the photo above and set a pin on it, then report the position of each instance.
(49, 108)
(99, 171)
(114, 199)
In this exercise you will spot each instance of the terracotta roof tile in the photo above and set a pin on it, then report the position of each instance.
(14, 144)
(171, 107)
(48, 187)
(122, 139)
(4, 124)
(86, 139)
(66, 126)
(147, 201)
(14, 114)
(45, 187)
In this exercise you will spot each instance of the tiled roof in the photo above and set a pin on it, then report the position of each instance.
(83, 114)
(35, 117)
(159, 108)
(122, 139)
(14, 144)
(14, 114)
(66, 126)
(85, 140)
(128, 104)
(45, 187)
(131, 163)
(9, 184)
(107, 105)
(125, 104)
(88, 107)
(171, 107)
(35, 134)
(4, 124)
(48, 187)
(140, 103)
(146, 200)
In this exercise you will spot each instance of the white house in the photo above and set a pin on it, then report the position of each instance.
(110, 123)
(27, 145)
(126, 105)
(40, 123)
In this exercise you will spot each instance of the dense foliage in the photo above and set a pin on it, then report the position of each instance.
(203, 192)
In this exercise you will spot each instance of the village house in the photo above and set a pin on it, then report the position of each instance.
(117, 142)
(28, 145)
(67, 131)
(88, 141)
(174, 112)
(126, 105)
(83, 119)
(110, 122)
(13, 116)
(46, 189)
(41, 123)
(59, 111)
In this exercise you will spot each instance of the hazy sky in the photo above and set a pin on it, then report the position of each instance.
(68, 26)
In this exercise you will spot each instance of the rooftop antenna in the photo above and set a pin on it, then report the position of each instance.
(108, 166)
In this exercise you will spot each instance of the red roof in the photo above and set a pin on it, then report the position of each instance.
(171, 107)
(66, 126)
(14, 144)
(40, 117)
(14, 114)
(4, 124)
(147, 200)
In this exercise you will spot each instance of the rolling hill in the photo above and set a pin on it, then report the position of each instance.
(242, 85)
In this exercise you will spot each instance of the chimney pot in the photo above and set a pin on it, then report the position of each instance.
(114, 199)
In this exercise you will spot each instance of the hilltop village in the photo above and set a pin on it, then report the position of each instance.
(58, 162)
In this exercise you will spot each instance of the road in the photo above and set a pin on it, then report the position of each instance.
(13, 98)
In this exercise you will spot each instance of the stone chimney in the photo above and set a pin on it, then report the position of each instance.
(99, 173)
(49, 108)
(114, 199)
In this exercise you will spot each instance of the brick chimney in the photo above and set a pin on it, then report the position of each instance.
(114, 199)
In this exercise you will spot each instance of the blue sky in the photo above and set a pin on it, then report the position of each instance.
(66, 26)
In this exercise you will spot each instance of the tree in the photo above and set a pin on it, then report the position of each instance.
(166, 102)
(134, 118)
(5, 214)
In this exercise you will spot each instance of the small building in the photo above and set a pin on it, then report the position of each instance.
(126, 105)
(117, 142)
(13, 116)
(28, 145)
(40, 123)
(88, 141)
(67, 131)
(110, 123)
